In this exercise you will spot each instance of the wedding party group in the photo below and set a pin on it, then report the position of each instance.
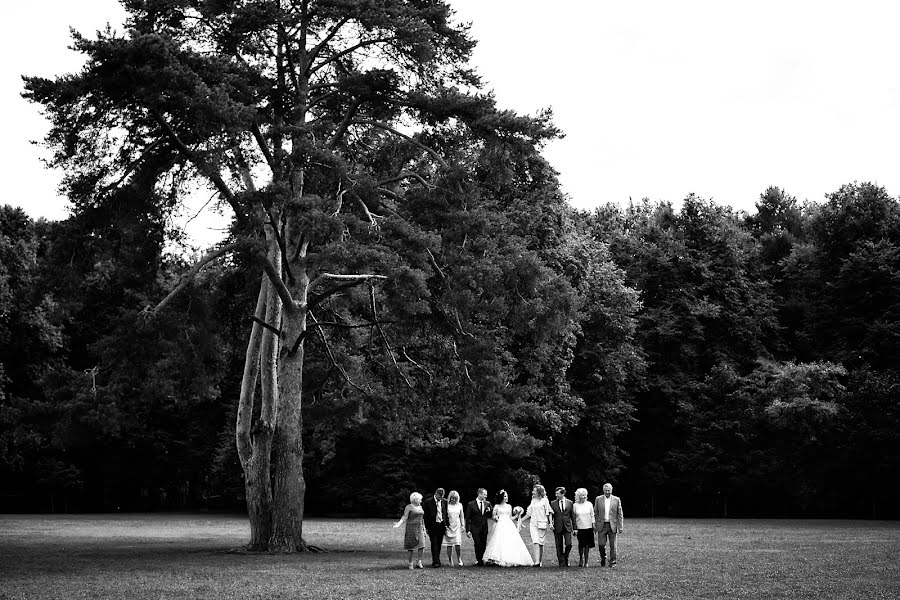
(445, 520)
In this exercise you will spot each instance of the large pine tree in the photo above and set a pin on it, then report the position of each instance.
(324, 125)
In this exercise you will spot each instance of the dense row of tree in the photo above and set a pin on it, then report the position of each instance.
(706, 361)
(405, 299)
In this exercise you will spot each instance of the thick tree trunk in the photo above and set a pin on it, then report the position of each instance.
(258, 488)
(289, 486)
(257, 438)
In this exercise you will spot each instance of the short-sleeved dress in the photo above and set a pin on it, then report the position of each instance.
(453, 533)
(539, 512)
(414, 536)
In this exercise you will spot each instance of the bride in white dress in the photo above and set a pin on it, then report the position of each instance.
(506, 548)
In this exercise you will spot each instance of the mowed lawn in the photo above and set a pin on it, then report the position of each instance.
(197, 556)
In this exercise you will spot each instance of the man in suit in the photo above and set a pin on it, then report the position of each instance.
(435, 509)
(477, 514)
(562, 526)
(609, 523)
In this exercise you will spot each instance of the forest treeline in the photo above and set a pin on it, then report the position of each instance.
(707, 362)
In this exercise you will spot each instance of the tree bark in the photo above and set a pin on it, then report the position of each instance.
(258, 481)
(258, 501)
(289, 485)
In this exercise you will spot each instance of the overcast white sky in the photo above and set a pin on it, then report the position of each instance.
(657, 98)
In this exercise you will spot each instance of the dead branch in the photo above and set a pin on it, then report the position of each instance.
(359, 278)
(387, 343)
(420, 367)
(330, 354)
(370, 216)
(464, 366)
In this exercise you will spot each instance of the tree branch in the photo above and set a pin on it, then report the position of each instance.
(355, 325)
(331, 354)
(369, 215)
(129, 169)
(387, 343)
(317, 49)
(389, 193)
(188, 277)
(464, 366)
(347, 51)
(244, 169)
(406, 356)
(406, 175)
(280, 288)
(205, 169)
(435, 265)
(345, 124)
(321, 298)
(263, 146)
(262, 323)
(356, 278)
(281, 245)
(248, 381)
(412, 140)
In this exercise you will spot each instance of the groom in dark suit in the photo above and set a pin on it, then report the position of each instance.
(435, 508)
(477, 514)
(562, 526)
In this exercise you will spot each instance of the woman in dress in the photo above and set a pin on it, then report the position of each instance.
(456, 524)
(538, 513)
(583, 515)
(414, 536)
(505, 546)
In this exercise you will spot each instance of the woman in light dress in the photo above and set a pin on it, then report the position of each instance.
(414, 535)
(456, 524)
(583, 515)
(505, 546)
(538, 514)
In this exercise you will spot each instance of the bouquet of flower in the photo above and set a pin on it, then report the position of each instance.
(517, 515)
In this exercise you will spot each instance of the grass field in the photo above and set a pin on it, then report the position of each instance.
(190, 556)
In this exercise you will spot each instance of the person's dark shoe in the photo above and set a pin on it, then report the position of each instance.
(611, 564)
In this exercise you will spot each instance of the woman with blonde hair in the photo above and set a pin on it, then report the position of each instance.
(456, 524)
(414, 535)
(538, 513)
(583, 515)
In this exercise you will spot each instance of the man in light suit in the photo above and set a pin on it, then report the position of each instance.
(435, 509)
(562, 526)
(609, 522)
(477, 514)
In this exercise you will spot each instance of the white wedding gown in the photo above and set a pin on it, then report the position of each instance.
(506, 548)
